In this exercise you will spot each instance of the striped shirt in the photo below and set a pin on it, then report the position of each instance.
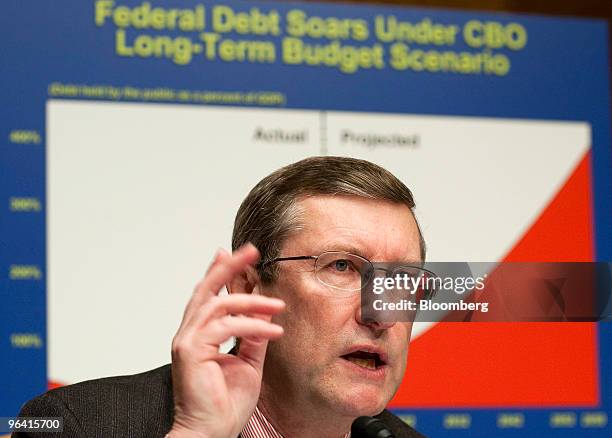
(259, 427)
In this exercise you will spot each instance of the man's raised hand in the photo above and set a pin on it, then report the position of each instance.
(215, 393)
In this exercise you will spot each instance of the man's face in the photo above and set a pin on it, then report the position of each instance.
(309, 364)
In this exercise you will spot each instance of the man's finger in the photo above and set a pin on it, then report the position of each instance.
(229, 267)
(222, 329)
(237, 304)
(215, 261)
(218, 255)
(253, 351)
(223, 269)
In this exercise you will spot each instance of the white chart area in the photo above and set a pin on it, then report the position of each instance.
(139, 197)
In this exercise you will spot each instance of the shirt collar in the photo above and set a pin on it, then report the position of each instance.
(258, 426)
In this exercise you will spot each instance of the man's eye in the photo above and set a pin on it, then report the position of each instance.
(342, 265)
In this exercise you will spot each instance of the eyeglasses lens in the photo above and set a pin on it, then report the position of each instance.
(342, 270)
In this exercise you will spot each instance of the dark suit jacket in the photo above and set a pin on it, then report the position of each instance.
(138, 406)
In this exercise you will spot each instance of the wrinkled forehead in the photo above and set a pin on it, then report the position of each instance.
(375, 229)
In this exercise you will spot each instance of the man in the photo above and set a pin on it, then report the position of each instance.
(306, 364)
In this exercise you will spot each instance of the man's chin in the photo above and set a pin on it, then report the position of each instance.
(358, 401)
(351, 394)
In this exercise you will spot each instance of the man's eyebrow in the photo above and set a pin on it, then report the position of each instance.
(412, 262)
(346, 248)
(359, 251)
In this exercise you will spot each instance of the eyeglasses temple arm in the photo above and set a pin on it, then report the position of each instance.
(282, 259)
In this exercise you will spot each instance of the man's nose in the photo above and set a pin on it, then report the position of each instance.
(373, 321)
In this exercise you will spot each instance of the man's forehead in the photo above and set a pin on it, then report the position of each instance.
(374, 229)
(340, 208)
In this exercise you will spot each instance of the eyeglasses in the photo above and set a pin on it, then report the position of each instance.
(350, 273)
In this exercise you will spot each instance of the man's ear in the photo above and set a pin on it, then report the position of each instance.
(247, 282)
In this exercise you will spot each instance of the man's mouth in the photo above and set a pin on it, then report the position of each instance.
(365, 359)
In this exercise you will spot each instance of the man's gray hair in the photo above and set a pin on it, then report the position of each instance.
(269, 214)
